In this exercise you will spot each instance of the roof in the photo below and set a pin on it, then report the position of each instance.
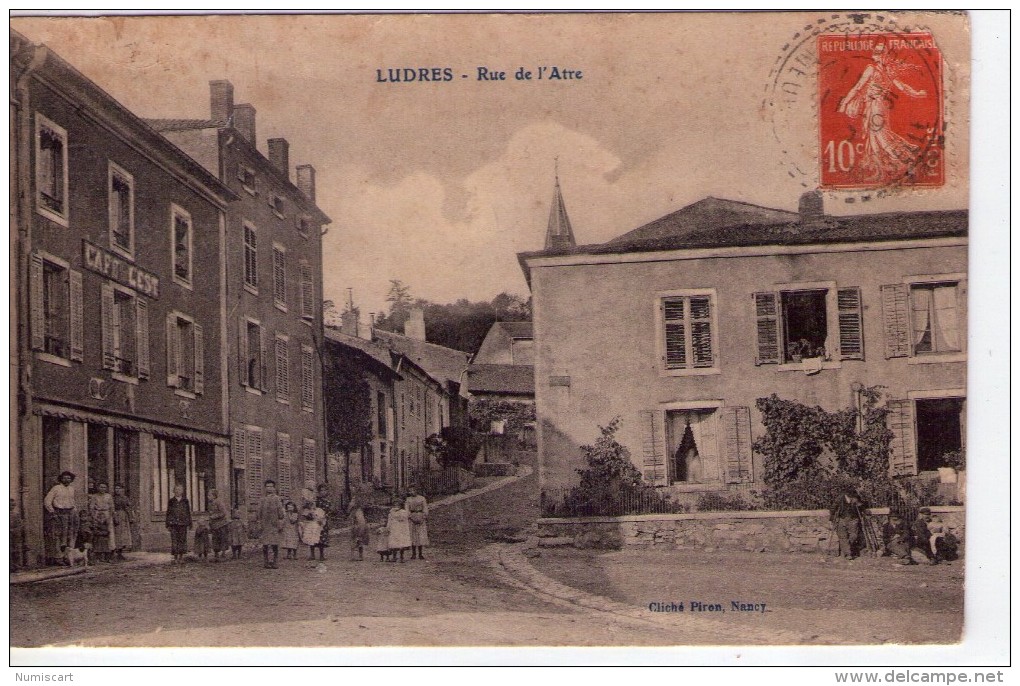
(184, 124)
(559, 233)
(507, 379)
(441, 363)
(715, 223)
(516, 329)
(379, 355)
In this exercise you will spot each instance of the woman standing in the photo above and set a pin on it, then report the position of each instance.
(121, 520)
(418, 513)
(219, 523)
(178, 521)
(101, 510)
(359, 526)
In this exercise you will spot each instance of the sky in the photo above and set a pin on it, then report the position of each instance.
(441, 184)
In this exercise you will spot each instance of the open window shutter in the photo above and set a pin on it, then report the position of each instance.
(254, 467)
(239, 447)
(736, 427)
(308, 458)
(172, 346)
(653, 450)
(38, 303)
(851, 331)
(903, 448)
(701, 331)
(672, 311)
(896, 319)
(307, 291)
(961, 299)
(142, 336)
(75, 289)
(199, 360)
(109, 359)
(263, 361)
(283, 461)
(766, 312)
(242, 350)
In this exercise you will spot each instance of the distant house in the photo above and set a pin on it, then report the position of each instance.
(415, 388)
(680, 325)
(503, 368)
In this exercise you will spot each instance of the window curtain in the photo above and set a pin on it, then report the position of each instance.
(921, 314)
(947, 329)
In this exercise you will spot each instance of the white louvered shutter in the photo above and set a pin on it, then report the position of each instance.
(283, 464)
(766, 314)
(307, 291)
(263, 361)
(653, 449)
(308, 459)
(851, 327)
(896, 319)
(307, 379)
(239, 447)
(700, 308)
(735, 423)
(172, 351)
(674, 325)
(282, 370)
(903, 447)
(242, 350)
(38, 304)
(254, 467)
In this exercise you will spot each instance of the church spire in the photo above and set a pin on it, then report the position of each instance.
(559, 235)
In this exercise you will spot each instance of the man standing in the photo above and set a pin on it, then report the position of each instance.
(219, 521)
(845, 516)
(62, 517)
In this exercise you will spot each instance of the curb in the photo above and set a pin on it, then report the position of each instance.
(136, 560)
(510, 560)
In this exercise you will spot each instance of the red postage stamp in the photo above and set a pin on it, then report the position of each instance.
(880, 110)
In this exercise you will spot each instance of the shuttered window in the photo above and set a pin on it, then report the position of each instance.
(735, 424)
(251, 354)
(251, 258)
(688, 331)
(896, 320)
(185, 353)
(57, 315)
(903, 446)
(253, 462)
(308, 459)
(282, 355)
(935, 322)
(307, 379)
(51, 169)
(239, 447)
(653, 449)
(851, 331)
(181, 240)
(280, 277)
(124, 319)
(766, 313)
(283, 464)
(121, 210)
(307, 291)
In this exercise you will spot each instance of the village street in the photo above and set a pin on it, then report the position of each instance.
(478, 590)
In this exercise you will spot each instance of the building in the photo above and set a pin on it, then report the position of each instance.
(119, 240)
(709, 308)
(504, 366)
(273, 297)
(414, 397)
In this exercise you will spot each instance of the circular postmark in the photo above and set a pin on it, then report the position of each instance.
(855, 104)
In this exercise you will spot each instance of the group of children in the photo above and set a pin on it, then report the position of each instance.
(925, 541)
(237, 534)
(406, 528)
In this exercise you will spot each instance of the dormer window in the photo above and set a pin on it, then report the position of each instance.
(246, 175)
(276, 202)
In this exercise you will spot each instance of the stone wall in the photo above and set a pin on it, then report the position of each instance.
(802, 531)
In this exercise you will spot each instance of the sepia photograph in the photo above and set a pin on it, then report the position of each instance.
(489, 330)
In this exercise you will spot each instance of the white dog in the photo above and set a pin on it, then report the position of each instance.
(78, 556)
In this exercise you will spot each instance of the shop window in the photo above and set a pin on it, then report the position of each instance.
(188, 464)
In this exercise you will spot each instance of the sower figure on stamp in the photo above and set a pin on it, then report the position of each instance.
(845, 515)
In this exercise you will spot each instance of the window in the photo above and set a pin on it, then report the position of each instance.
(56, 305)
(809, 323)
(181, 238)
(125, 333)
(687, 321)
(308, 459)
(251, 258)
(304, 225)
(122, 211)
(185, 354)
(283, 464)
(693, 446)
(697, 443)
(276, 202)
(280, 276)
(380, 409)
(51, 170)
(282, 369)
(925, 319)
(934, 318)
(251, 354)
(307, 292)
(307, 379)
(246, 175)
(246, 454)
(929, 430)
(177, 462)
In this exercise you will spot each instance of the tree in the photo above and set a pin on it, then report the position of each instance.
(348, 411)
(401, 302)
(454, 445)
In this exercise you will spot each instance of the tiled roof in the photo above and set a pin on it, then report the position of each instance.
(377, 353)
(441, 363)
(509, 379)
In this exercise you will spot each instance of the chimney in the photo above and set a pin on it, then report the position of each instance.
(414, 327)
(811, 206)
(279, 155)
(221, 100)
(306, 180)
(349, 323)
(244, 121)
